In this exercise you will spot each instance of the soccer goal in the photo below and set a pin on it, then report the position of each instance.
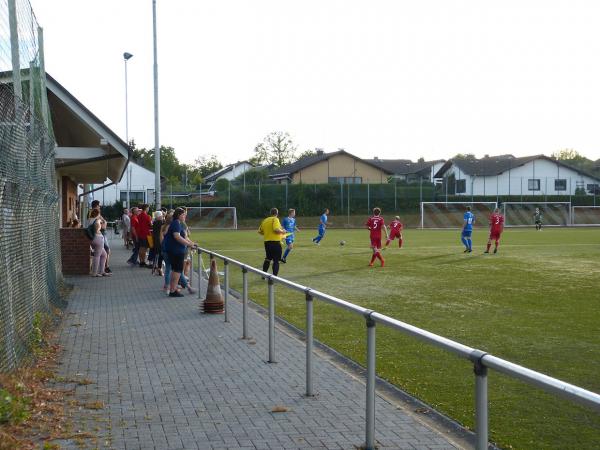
(585, 216)
(450, 214)
(216, 218)
(521, 214)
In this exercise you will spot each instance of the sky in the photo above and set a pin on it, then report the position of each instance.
(389, 79)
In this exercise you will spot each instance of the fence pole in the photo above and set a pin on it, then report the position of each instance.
(199, 274)
(259, 192)
(481, 404)
(226, 288)
(370, 407)
(229, 193)
(368, 198)
(244, 303)
(271, 321)
(521, 189)
(420, 190)
(395, 189)
(286, 194)
(348, 207)
(309, 343)
(191, 280)
(341, 197)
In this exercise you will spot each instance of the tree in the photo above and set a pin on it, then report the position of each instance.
(468, 156)
(306, 154)
(573, 158)
(277, 148)
(205, 165)
(253, 176)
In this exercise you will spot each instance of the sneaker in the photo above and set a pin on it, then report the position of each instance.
(106, 274)
(175, 294)
(108, 270)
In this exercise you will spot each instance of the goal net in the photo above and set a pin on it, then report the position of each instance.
(521, 214)
(450, 214)
(586, 216)
(218, 218)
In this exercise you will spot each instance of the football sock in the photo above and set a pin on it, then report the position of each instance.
(275, 267)
(497, 244)
(378, 255)
(464, 241)
(470, 244)
(387, 243)
(489, 244)
(286, 253)
(400, 242)
(373, 258)
(266, 265)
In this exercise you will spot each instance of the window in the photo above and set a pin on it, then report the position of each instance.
(345, 180)
(560, 185)
(593, 189)
(534, 184)
(461, 186)
(134, 196)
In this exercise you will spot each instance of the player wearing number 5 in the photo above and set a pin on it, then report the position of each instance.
(496, 228)
(467, 230)
(375, 223)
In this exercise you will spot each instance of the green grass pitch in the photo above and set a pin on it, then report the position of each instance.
(535, 303)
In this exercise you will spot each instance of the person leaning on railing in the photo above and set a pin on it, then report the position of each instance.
(176, 242)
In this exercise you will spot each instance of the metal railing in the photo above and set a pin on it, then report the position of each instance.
(481, 360)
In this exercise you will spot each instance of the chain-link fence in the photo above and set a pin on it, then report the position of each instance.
(350, 203)
(29, 242)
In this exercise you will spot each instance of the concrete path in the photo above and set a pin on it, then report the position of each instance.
(164, 376)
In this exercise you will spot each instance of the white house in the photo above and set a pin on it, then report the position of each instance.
(228, 172)
(507, 175)
(141, 182)
(407, 170)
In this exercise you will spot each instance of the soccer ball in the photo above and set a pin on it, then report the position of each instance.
(342, 242)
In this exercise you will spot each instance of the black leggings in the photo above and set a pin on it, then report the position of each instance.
(273, 253)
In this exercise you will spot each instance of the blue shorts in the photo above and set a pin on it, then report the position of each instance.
(467, 233)
(289, 240)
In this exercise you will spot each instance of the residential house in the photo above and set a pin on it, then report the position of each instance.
(409, 171)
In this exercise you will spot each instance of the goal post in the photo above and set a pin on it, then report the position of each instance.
(450, 214)
(585, 216)
(521, 214)
(212, 217)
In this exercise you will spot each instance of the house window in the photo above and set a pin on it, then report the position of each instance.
(345, 180)
(593, 189)
(534, 184)
(461, 186)
(134, 197)
(560, 185)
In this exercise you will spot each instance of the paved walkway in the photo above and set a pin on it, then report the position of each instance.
(165, 376)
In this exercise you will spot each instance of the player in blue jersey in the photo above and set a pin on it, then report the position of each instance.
(289, 225)
(322, 227)
(467, 230)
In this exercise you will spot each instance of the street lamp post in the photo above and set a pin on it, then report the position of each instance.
(126, 57)
(156, 142)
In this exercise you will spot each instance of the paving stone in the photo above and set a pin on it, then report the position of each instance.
(172, 378)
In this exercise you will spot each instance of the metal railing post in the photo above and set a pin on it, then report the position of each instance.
(199, 274)
(244, 303)
(226, 288)
(309, 343)
(370, 407)
(271, 321)
(191, 280)
(481, 401)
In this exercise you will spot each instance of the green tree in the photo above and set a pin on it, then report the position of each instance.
(253, 176)
(207, 165)
(306, 154)
(277, 148)
(575, 159)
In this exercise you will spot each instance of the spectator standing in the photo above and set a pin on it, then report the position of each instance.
(99, 259)
(176, 242)
(126, 221)
(135, 212)
(143, 231)
(157, 225)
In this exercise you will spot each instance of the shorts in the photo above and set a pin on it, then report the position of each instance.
(538, 222)
(273, 250)
(176, 260)
(467, 233)
(495, 235)
(394, 235)
(142, 242)
(376, 242)
(290, 239)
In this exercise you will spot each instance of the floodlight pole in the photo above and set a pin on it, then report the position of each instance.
(156, 142)
(126, 57)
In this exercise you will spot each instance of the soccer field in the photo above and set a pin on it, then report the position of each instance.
(535, 303)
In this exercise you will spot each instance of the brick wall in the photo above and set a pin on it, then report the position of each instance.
(74, 251)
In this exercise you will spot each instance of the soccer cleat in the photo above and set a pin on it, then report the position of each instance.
(466, 250)
(487, 251)
(495, 251)
(283, 260)
(470, 250)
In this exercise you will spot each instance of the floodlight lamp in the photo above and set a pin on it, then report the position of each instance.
(127, 56)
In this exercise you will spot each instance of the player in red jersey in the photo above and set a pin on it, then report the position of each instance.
(496, 228)
(375, 224)
(395, 232)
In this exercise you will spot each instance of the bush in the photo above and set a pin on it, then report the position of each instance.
(12, 409)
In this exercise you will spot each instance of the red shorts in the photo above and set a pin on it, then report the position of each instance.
(394, 235)
(495, 235)
(376, 242)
